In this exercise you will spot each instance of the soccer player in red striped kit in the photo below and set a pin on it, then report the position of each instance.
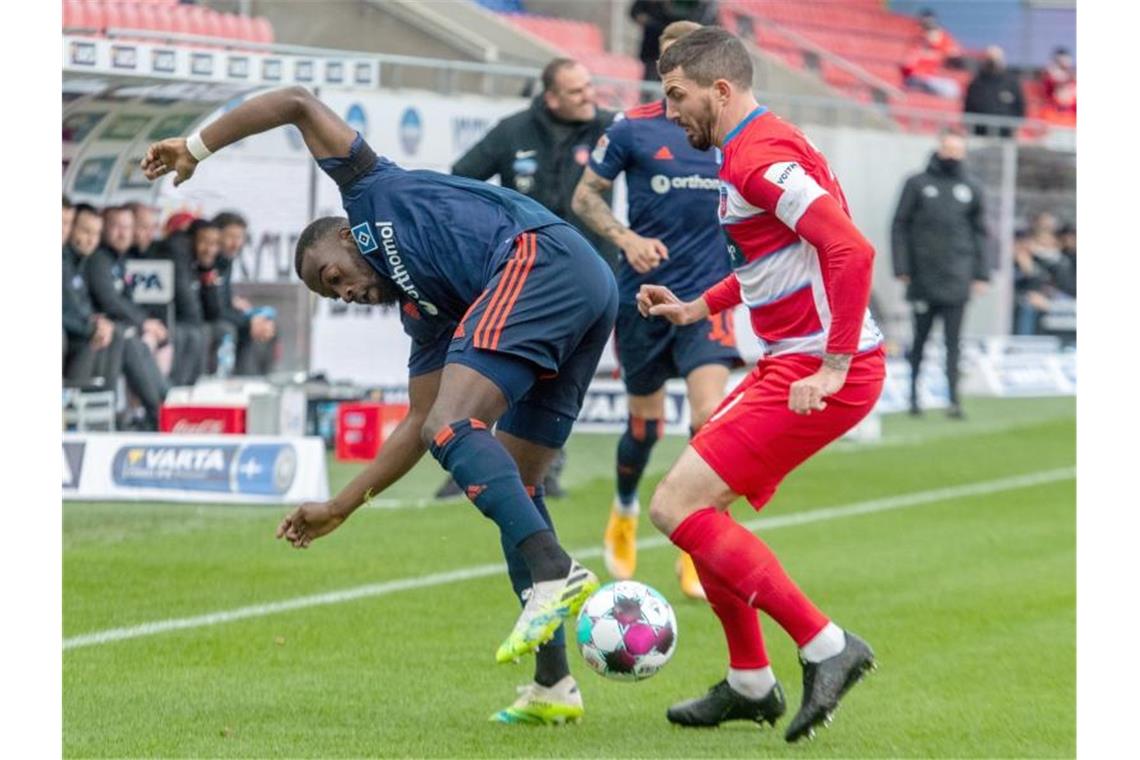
(804, 271)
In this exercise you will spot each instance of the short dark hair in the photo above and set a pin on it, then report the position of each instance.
(109, 210)
(550, 71)
(229, 219)
(709, 54)
(198, 225)
(66, 201)
(317, 230)
(86, 208)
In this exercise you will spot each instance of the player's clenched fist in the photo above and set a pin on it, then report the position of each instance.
(310, 520)
(169, 156)
(642, 253)
(659, 301)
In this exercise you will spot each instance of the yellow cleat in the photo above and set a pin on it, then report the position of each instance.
(544, 706)
(687, 575)
(548, 603)
(620, 545)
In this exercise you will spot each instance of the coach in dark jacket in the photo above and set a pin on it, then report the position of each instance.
(542, 151)
(109, 294)
(995, 91)
(938, 250)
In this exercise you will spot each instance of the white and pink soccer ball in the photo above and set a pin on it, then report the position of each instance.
(627, 631)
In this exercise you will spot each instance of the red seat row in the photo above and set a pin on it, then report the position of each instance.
(165, 16)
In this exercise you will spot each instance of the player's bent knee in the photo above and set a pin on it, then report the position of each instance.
(664, 509)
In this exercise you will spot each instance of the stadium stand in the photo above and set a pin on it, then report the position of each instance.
(165, 16)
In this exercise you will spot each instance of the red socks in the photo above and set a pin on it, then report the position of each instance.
(744, 564)
(740, 622)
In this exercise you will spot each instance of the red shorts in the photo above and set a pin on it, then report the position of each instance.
(753, 439)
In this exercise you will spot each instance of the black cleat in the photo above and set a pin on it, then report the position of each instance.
(954, 412)
(826, 682)
(724, 703)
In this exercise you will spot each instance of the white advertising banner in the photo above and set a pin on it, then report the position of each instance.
(194, 468)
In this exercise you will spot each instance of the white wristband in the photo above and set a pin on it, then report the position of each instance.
(197, 148)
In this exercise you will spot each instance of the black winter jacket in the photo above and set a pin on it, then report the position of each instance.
(938, 236)
(524, 150)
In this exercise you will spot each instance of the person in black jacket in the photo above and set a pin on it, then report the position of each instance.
(938, 250)
(542, 151)
(110, 294)
(654, 15)
(256, 327)
(204, 238)
(995, 91)
(92, 346)
(187, 331)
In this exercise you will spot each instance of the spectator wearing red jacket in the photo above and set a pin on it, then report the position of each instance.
(1060, 82)
(935, 50)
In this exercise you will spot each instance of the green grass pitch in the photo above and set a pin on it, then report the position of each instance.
(968, 598)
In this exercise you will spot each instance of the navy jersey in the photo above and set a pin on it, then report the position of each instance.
(673, 195)
(439, 238)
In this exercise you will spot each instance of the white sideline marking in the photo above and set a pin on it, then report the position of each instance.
(901, 501)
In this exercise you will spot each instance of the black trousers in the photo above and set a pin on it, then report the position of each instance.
(951, 315)
(189, 353)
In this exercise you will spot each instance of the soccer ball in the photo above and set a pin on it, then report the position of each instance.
(626, 631)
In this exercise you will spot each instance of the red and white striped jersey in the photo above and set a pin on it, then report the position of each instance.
(771, 175)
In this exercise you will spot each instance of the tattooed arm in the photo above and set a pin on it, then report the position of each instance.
(591, 207)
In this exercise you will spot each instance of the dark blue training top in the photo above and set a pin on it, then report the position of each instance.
(673, 195)
(439, 238)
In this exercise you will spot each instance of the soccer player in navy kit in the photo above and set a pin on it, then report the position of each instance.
(508, 308)
(674, 240)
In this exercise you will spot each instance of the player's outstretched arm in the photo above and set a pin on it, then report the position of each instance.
(401, 451)
(325, 133)
(590, 205)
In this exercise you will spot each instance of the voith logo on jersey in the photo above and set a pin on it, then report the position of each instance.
(662, 184)
(397, 272)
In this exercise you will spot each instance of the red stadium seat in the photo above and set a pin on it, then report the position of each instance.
(263, 30)
(73, 15)
(146, 14)
(228, 24)
(245, 30)
(112, 15)
(215, 26)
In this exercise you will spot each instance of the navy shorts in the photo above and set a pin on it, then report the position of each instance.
(538, 330)
(653, 350)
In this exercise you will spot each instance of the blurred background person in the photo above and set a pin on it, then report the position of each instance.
(995, 91)
(923, 63)
(256, 325)
(205, 240)
(97, 266)
(542, 151)
(1059, 80)
(938, 251)
(183, 316)
(1030, 286)
(92, 349)
(653, 16)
